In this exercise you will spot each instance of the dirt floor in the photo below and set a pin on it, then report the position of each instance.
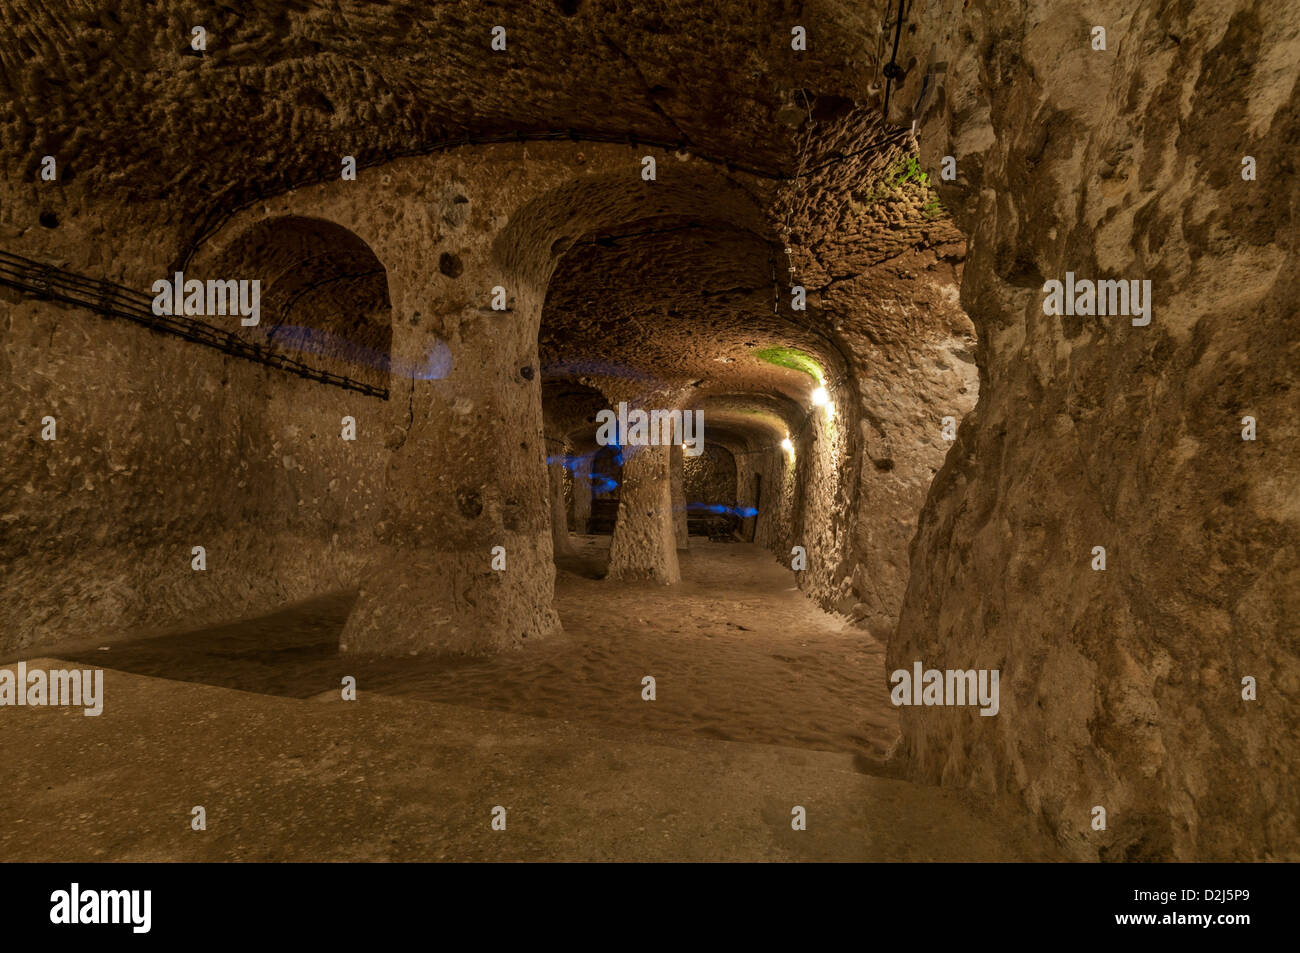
(763, 703)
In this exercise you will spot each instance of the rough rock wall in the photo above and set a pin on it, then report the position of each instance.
(776, 470)
(914, 390)
(821, 504)
(560, 544)
(749, 491)
(161, 446)
(805, 502)
(1120, 688)
(881, 261)
(711, 476)
(580, 491)
(677, 487)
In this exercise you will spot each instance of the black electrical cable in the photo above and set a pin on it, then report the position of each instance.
(891, 70)
(117, 301)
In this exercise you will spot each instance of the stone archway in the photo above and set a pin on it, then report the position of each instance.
(324, 292)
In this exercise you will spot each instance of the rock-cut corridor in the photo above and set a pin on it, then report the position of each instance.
(671, 431)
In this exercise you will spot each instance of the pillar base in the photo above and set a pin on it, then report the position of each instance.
(425, 601)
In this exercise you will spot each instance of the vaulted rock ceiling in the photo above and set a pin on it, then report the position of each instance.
(285, 91)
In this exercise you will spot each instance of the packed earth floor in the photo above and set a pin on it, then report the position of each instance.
(763, 703)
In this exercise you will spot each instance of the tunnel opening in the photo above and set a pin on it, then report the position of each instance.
(606, 475)
(583, 476)
(668, 302)
(713, 507)
(324, 293)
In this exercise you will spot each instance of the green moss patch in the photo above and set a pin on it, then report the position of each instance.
(794, 359)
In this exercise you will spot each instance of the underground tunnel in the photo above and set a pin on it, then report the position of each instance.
(693, 432)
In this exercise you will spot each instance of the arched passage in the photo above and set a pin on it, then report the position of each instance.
(671, 297)
(711, 492)
(324, 292)
(606, 476)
